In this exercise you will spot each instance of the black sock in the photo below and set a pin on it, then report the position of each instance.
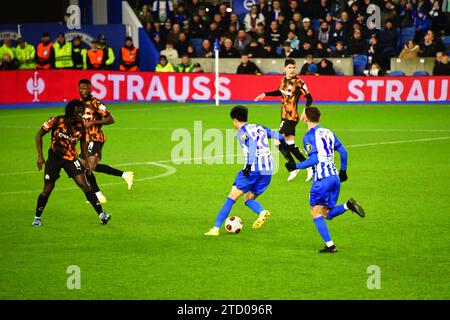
(92, 198)
(92, 182)
(287, 155)
(104, 168)
(41, 203)
(296, 152)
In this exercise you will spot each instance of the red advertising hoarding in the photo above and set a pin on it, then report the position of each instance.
(28, 86)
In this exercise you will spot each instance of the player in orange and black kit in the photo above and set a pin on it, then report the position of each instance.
(66, 130)
(292, 87)
(96, 115)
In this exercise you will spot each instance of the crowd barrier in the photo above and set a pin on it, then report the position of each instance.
(28, 86)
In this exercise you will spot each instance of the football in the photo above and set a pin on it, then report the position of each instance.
(233, 224)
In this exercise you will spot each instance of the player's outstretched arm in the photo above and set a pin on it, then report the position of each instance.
(344, 158)
(260, 97)
(310, 162)
(38, 140)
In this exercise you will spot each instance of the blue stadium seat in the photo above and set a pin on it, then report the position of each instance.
(396, 73)
(406, 33)
(359, 64)
(340, 73)
(315, 25)
(273, 72)
(446, 42)
(197, 43)
(279, 50)
(420, 73)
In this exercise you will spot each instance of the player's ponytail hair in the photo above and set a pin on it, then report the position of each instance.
(240, 113)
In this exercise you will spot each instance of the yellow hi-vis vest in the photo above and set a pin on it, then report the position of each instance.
(63, 55)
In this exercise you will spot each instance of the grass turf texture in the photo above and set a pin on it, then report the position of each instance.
(154, 247)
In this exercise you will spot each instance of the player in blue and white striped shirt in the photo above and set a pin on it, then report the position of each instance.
(255, 178)
(320, 143)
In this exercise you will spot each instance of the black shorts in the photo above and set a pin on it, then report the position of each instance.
(54, 164)
(287, 127)
(95, 147)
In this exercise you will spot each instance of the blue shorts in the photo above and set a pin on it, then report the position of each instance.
(256, 184)
(325, 192)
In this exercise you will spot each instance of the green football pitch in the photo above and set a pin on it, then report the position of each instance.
(154, 247)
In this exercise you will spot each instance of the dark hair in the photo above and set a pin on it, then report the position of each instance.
(240, 113)
(313, 114)
(288, 62)
(72, 108)
(84, 81)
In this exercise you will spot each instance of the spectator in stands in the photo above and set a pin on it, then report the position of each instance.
(108, 51)
(297, 21)
(231, 33)
(406, 14)
(388, 12)
(442, 66)
(264, 8)
(129, 56)
(291, 10)
(340, 51)
(430, 46)
(322, 50)
(256, 50)
(7, 49)
(203, 15)
(324, 32)
(338, 34)
(283, 25)
(276, 10)
(182, 44)
(145, 15)
(247, 67)
(306, 8)
(78, 54)
(253, 18)
(164, 65)
(288, 51)
(95, 57)
(373, 52)
(221, 26)
(173, 34)
(421, 24)
(190, 51)
(325, 68)
(63, 52)
(213, 32)
(388, 44)
(185, 64)
(25, 54)
(192, 7)
(346, 24)
(374, 70)
(197, 27)
(306, 25)
(157, 42)
(163, 9)
(306, 49)
(45, 54)
(309, 68)
(242, 41)
(437, 17)
(197, 68)
(206, 51)
(356, 44)
(260, 31)
(410, 51)
(234, 20)
(228, 51)
(293, 39)
(270, 51)
(170, 52)
(226, 16)
(6, 63)
(180, 15)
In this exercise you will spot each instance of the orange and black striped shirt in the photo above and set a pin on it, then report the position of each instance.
(290, 91)
(94, 110)
(64, 140)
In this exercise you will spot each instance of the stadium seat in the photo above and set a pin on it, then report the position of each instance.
(273, 72)
(406, 34)
(359, 64)
(446, 42)
(315, 25)
(197, 43)
(340, 73)
(279, 50)
(420, 73)
(396, 73)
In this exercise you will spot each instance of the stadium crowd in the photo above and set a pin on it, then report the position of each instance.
(272, 29)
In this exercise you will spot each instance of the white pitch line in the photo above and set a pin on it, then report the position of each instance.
(396, 142)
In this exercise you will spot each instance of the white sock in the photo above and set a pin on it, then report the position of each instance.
(345, 206)
(38, 218)
(99, 193)
(124, 174)
(215, 228)
(329, 243)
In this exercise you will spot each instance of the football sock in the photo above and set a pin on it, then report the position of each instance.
(296, 152)
(321, 226)
(287, 155)
(336, 211)
(254, 205)
(104, 168)
(92, 182)
(41, 203)
(223, 213)
(92, 198)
